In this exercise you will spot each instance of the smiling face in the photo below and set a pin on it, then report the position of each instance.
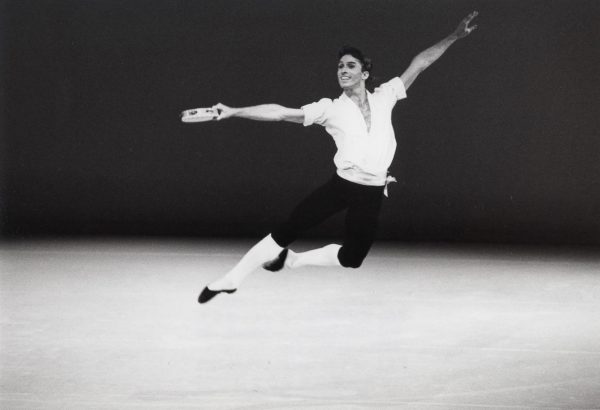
(350, 73)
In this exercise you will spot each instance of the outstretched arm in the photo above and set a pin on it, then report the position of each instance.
(429, 56)
(265, 112)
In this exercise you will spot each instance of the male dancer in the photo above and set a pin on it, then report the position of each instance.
(360, 123)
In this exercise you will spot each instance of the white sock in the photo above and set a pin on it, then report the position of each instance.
(325, 256)
(263, 251)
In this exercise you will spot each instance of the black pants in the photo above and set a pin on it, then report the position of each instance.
(363, 204)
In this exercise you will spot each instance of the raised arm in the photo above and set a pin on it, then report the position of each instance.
(265, 112)
(429, 56)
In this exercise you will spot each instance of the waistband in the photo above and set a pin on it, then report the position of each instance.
(362, 178)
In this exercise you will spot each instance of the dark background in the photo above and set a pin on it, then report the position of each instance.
(497, 142)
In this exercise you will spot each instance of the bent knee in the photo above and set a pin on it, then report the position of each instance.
(352, 264)
(351, 261)
(352, 256)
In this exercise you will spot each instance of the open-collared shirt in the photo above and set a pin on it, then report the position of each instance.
(363, 155)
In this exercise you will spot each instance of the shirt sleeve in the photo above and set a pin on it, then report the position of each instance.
(394, 89)
(316, 113)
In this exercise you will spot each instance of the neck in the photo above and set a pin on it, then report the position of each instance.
(358, 94)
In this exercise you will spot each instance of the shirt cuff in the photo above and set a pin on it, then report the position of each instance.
(309, 117)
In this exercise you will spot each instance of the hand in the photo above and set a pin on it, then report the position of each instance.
(463, 28)
(223, 111)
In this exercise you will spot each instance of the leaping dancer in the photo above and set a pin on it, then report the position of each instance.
(360, 123)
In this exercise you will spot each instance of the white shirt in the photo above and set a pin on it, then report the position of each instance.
(363, 156)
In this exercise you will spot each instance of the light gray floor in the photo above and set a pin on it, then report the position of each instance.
(109, 324)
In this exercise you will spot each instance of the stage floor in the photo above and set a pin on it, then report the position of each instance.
(110, 324)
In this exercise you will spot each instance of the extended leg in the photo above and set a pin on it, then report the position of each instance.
(319, 205)
(263, 251)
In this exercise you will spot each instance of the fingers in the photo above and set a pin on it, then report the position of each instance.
(220, 111)
(216, 112)
(188, 112)
(464, 25)
(471, 16)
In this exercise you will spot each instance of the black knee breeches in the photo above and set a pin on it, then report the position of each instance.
(363, 204)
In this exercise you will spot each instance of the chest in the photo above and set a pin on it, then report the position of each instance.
(365, 110)
(346, 118)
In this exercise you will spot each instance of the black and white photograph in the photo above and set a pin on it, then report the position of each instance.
(300, 204)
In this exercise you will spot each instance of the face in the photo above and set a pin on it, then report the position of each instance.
(350, 74)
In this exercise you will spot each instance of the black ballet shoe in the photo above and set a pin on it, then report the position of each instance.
(208, 294)
(277, 263)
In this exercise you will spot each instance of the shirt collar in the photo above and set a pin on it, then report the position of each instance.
(345, 97)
